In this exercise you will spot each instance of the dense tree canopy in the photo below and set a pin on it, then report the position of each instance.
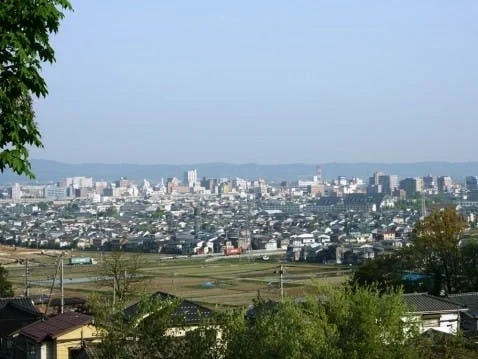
(438, 259)
(435, 246)
(145, 334)
(383, 271)
(25, 28)
(281, 330)
(468, 278)
(336, 323)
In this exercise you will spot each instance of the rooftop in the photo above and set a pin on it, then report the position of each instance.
(23, 303)
(187, 312)
(55, 326)
(426, 303)
(468, 300)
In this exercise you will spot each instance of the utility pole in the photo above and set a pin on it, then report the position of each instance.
(281, 281)
(125, 283)
(62, 299)
(281, 272)
(27, 290)
(114, 290)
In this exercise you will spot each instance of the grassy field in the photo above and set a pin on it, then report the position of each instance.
(227, 281)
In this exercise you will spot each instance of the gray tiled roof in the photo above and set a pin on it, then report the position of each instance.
(15, 313)
(426, 303)
(187, 312)
(23, 303)
(469, 300)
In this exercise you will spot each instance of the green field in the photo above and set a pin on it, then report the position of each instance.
(227, 281)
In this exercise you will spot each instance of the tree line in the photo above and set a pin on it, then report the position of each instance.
(439, 259)
(347, 322)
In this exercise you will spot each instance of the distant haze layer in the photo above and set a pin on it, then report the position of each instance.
(52, 171)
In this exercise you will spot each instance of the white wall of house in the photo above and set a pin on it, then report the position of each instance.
(443, 322)
(181, 332)
(449, 323)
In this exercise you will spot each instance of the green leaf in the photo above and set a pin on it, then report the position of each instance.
(25, 29)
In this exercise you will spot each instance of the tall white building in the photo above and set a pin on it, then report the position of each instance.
(16, 192)
(240, 183)
(341, 180)
(79, 182)
(190, 178)
(318, 174)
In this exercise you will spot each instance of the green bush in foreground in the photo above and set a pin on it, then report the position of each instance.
(336, 323)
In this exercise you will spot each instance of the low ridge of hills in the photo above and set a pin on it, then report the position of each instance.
(47, 170)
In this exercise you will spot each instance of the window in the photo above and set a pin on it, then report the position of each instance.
(431, 320)
(74, 352)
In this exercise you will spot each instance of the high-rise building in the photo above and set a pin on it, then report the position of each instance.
(100, 186)
(190, 178)
(123, 183)
(429, 182)
(471, 183)
(411, 186)
(56, 192)
(393, 182)
(444, 183)
(318, 174)
(388, 183)
(419, 184)
(382, 183)
(374, 189)
(172, 183)
(375, 179)
(15, 192)
(78, 182)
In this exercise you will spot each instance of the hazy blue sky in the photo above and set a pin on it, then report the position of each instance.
(275, 81)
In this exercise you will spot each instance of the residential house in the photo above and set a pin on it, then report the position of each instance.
(469, 319)
(185, 317)
(58, 337)
(432, 312)
(15, 313)
(323, 238)
(360, 254)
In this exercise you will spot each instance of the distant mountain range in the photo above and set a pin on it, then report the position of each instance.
(47, 171)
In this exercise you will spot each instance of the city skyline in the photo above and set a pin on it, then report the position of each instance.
(378, 185)
(266, 82)
(50, 170)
